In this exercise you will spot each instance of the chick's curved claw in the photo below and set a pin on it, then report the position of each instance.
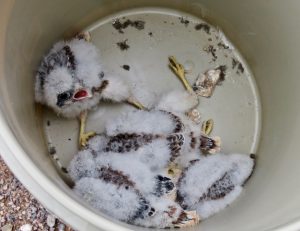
(84, 138)
(179, 70)
(176, 67)
(132, 101)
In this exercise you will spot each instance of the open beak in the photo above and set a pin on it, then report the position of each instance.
(82, 94)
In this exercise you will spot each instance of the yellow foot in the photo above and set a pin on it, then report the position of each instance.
(178, 69)
(191, 219)
(84, 138)
(207, 127)
(136, 103)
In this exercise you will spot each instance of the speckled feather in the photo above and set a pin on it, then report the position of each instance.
(134, 153)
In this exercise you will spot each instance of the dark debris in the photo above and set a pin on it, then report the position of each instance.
(234, 63)
(239, 65)
(52, 150)
(203, 26)
(123, 45)
(64, 170)
(184, 21)
(126, 67)
(119, 26)
(222, 45)
(222, 69)
(241, 68)
(211, 50)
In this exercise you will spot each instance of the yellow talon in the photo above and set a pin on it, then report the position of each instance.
(207, 127)
(83, 136)
(136, 103)
(178, 69)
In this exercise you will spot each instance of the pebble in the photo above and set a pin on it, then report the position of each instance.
(19, 210)
(61, 227)
(51, 220)
(7, 227)
(26, 227)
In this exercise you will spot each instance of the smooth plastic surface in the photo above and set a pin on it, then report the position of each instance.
(265, 33)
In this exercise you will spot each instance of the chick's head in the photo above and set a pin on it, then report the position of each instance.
(68, 76)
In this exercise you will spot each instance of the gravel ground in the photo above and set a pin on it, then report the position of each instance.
(19, 210)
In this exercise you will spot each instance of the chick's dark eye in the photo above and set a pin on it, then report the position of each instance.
(63, 97)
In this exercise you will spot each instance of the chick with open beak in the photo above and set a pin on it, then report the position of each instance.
(71, 80)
